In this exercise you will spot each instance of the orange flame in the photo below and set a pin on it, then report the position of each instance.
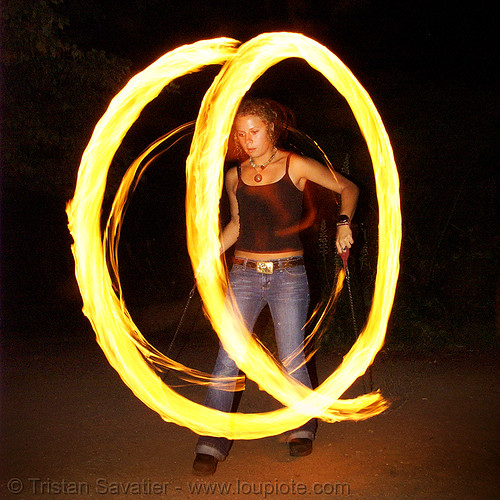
(124, 346)
(111, 240)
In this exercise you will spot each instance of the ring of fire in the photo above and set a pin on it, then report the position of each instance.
(124, 346)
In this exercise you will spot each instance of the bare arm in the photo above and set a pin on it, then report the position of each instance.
(305, 169)
(231, 232)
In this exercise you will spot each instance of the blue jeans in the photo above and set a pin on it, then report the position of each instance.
(287, 293)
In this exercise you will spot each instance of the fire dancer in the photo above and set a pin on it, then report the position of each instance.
(265, 195)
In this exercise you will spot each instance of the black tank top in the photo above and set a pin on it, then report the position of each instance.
(269, 215)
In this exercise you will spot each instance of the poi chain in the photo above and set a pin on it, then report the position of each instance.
(124, 346)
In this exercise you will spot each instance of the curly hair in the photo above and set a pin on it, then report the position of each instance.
(270, 112)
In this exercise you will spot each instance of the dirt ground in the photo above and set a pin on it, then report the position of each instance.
(71, 429)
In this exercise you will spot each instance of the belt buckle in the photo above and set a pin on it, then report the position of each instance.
(264, 267)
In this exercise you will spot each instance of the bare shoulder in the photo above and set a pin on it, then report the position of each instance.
(301, 164)
(304, 169)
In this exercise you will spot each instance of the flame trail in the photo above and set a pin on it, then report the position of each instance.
(112, 235)
(111, 240)
(204, 176)
(118, 336)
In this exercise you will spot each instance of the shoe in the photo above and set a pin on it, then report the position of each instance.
(204, 465)
(300, 447)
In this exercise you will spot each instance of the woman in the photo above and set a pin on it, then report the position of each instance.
(265, 197)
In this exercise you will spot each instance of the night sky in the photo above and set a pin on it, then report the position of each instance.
(419, 42)
(419, 37)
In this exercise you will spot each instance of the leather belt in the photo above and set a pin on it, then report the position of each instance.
(269, 266)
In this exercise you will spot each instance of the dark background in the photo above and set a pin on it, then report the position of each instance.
(430, 68)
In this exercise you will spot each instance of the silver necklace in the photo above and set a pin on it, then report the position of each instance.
(258, 177)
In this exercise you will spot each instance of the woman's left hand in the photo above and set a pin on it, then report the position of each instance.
(344, 238)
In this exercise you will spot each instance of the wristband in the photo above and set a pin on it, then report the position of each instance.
(343, 220)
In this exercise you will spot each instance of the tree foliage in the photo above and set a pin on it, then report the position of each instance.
(53, 93)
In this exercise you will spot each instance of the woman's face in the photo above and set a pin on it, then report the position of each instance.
(253, 136)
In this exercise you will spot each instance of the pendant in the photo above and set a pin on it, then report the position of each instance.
(257, 178)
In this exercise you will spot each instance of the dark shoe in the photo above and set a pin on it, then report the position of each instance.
(300, 447)
(204, 465)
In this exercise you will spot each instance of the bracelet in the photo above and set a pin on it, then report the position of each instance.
(343, 220)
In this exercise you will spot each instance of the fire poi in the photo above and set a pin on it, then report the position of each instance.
(123, 344)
